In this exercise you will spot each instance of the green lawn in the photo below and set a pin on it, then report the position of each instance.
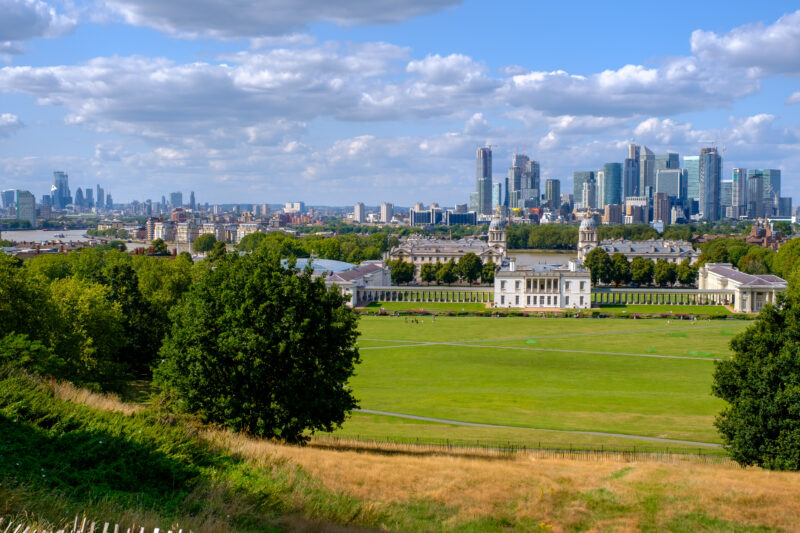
(546, 374)
(711, 310)
(428, 306)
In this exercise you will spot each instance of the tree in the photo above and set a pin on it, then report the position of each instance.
(427, 272)
(251, 241)
(686, 273)
(262, 349)
(599, 265)
(447, 273)
(469, 267)
(217, 252)
(402, 271)
(665, 273)
(761, 384)
(642, 270)
(160, 247)
(620, 269)
(487, 272)
(204, 243)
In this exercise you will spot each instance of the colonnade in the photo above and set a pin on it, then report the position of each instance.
(611, 296)
(425, 294)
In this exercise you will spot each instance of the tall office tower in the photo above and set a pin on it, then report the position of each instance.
(101, 197)
(755, 195)
(483, 175)
(9, 197)
(497, 195)
(647, 169)
(691, 167)
(47, 200)
(612, 214)
(89, 197)
(387, 212)
(609, 184)
(552, 191)
(359, 212)
(668, 160)
(726, 198)
(192, 204)
(26, 207)
(669, 181)
(109, 201)
(710, 176)
(661, 207)
(578, 179)
(60, 190)
(513, 185)
(630, 177)
(739, 193)
(176, 199)
(772, 184)
(473, 201)
(785, 206)
(79, 200)
(529, 191)
(148, 207)
(589, 194)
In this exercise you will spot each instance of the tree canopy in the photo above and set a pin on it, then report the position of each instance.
(599, 264)
(470, 267)
(204, 243)
(262, 348)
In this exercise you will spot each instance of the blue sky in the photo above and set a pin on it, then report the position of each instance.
(383, 100)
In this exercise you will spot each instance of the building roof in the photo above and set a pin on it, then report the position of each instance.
(356, 272)
(542, 269)
(320, 266)
(432, 246)
(652, 246)
(742, 279)
(588, 223)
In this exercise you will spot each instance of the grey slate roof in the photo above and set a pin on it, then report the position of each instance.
(748, 280)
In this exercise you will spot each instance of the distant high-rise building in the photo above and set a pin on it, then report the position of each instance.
(552, 192)
(192, 204)
(755, 195)
(772, 184)
(60, 190)
(513, 186)
(612, 214)
(89, 197)
(647, 169)
(667, 161)
(710, 177)
(9, 197)
(387, 212)
(691, 166)
(609, 184)
(661, 207)
(497, 195)
(483, 175)
(785, 206)
(79, 200)
(47, 200)
(726, 198)
(359, 212)
(739, 193)
(101, 197)
(589, 194)
(26, 207)
(578, 179)
(669, 181)
(176, 199)
(473, 201)
(109, 201)
(630, 176)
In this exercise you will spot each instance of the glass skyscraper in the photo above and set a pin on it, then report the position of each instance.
(691, 165)
(578, 179)
(710, 177)
(609, 184)
(483, 175)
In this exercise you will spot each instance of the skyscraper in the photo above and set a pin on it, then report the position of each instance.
(772, 184)
(359, 212)
(710, 177)
(691, 167)
(109, 201)
(552, 188)
(176, 199)
(79, 200)
(101, 197)
(514, 184)
(483, 175)
(578, 179)
(630, 176)
(192, 204)
(647, 169)
(589, 194)
(529, 192)
(755, 195)
(726, 198)
(739, 193)
(609, 184)
(89, 197)
(667, 161)
(661, 207)
(669, 181)
(387, 212)
(26, 207)
(9, 198)
(60, 190)
(497, 198)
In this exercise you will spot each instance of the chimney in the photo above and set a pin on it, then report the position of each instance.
(512, 265)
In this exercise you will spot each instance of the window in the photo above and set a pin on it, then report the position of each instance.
(555, 301)
(502, 300)
(502, 285)
(581, 300)
(583, 286)
(516, 300)
(548, 301)
(566, 285)
(529, 301)
(534, 301)
(566, 300)
(516, 285)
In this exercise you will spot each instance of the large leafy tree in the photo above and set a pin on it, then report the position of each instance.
(599, 264)
(620, 268)
(447, 273)
(686, 273)
(402, 271)
(469, 267)
(642, 270)
(262, 349)
(761, 384)
(427, 272)
(487, 272)
(665, 273)
(204, 243)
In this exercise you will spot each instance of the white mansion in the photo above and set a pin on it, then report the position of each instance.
(543, 286)
(420, 250)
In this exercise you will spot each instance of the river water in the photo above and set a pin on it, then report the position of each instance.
(44, 235)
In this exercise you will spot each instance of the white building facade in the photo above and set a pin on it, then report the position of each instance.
(750, 291)
(543, 287)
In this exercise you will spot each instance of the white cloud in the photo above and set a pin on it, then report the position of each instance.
(9, 124)
(794, 98)
(250, 18)
(772, 49)
(23, 20)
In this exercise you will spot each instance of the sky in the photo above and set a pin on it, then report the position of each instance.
(331, 103)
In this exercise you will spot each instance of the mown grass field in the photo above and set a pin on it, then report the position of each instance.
(710, 310)
(649, 378)
(429, 306)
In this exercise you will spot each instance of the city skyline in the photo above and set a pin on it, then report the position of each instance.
(384, 102)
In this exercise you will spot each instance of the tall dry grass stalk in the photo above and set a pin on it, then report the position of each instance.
(66, 391)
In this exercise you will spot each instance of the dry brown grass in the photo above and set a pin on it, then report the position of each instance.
(66, 391)
(599, 494)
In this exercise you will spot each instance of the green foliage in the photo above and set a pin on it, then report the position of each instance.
(427, 272)
(787, 259)
(261, 349)
(750, 258)
(204, 243)
(49, 267)
(599, 264)
(686, 273)
(631, 232)
(402, 271)
(447, 273)
(5, 243)
(550, 237)
(20, 352)
(620, 269)
(642, 270)
(469, 267)
(487, 272)
(761, 383)
(217, 252)
(160, 247)
(665, 273)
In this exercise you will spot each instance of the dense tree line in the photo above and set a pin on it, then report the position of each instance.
(351, 247)
(617, 269)
(468, 269)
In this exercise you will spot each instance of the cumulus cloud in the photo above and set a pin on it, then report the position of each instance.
(794, 98)
(23, 20)
(250, 18)
(772, 49)
(9, 124)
